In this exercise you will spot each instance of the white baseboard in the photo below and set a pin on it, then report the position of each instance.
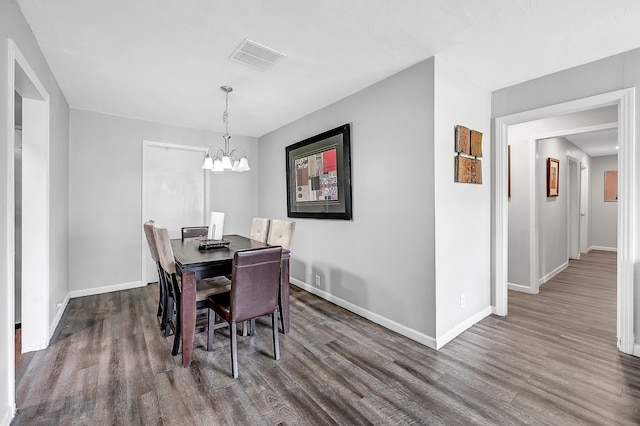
(58, 317)
(463, 326)
(105, 289)
(636, 350)
(521, 288)
(6, 416)
(602, 248)
(412, 334)
(371, 316)
(553, 273)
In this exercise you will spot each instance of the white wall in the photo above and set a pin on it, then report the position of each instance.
(13, 25)
(462, 211)
(380, 264)
(603, 76)
(553, 211)
(105, 205)
(604, 214)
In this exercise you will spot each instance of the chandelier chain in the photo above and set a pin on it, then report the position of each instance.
(225, 114)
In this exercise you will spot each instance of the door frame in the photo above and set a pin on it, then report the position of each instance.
(146, 144)
(625, 100)
(23, 79)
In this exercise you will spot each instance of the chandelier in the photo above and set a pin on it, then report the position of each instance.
(218, 159)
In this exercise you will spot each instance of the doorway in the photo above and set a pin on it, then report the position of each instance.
(624, 100)
(175, 192)
(573, 209)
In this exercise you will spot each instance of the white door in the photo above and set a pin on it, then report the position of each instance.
(584, 202)
(574, 209)
(175, 192)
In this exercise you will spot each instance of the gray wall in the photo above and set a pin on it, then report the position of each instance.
(553, 211)
(105, 205)
(14, 26)
(603, 76)
(412, 229)
(603, 221)
(383, 260)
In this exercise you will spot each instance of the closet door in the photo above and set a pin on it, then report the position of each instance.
(175, 192)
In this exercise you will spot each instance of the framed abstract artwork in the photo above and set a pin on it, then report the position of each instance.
(319, 176)
(553, 177)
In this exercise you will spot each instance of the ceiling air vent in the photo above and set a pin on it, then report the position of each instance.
(256, 55)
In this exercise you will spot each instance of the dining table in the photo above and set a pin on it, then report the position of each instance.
(194, 263)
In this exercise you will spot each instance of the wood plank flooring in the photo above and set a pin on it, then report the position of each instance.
(552, 361)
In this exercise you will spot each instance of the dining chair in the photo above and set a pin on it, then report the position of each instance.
(254, 293)
(281, 233)
(153, 249)
(194, 231)
(204, 288)
(259, 229)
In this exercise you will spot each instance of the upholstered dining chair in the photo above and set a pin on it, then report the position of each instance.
(153, 249)
(194, 231)
(254, 293)
(281, 233)
(204, 288)
(259, 229)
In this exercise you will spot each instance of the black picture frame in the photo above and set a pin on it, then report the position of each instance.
(320, 194)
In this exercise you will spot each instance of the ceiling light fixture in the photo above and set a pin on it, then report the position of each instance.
(225, 160)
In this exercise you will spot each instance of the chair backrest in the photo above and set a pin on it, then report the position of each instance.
(259, 229)
(281, 233)
(151, 241)
(194, 231)
(255, 282)
(165, 252)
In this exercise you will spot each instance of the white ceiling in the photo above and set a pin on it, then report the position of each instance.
(597, 143)
(164, 60)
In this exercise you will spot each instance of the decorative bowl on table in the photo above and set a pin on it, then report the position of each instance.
(207, 243)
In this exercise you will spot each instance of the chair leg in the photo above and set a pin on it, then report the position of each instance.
(252, 327)
(177, 336)
(177, 333)
(210, 329)
(167, 315)
(234, 350)
(276, 343)
(161, 294)
(280, 310)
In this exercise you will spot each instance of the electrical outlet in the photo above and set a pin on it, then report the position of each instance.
(463, 301)
(317, 283)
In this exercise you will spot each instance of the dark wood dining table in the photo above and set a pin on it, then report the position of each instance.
(194, 264)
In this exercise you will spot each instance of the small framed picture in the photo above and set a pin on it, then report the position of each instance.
(611, 185)
(553, 177)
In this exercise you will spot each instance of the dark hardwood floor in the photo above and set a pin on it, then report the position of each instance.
(552, 361)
